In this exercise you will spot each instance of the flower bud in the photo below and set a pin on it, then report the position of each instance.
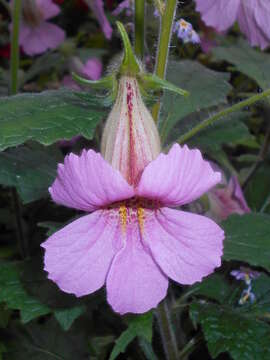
(130, 138)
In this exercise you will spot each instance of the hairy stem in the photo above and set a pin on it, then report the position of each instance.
(211, 120)
(163, 46)
(139, 28)
(13, 89)
(166, 331)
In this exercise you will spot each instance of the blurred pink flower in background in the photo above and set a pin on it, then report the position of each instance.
(36, 34)
(97, 7)
(227, 200)
(126, 7)
(132, 241)
(253, 17)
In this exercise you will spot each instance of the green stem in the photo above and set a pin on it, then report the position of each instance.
(211, 120)
(139, 28)
(166, 331)
(15, 49)
(163, 46)
(13, 89)
(190, 346)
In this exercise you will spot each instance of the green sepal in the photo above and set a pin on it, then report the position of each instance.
(130, 65)
(108, 83)
(105, 83)
(155, 83)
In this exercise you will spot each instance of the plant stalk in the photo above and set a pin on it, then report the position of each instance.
(211, 120)
(139, 28)
(164, 46)
(15, 49)
(13, 89)
(166, 330)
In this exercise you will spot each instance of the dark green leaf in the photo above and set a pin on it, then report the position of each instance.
(261, 290)
(230, 130)
(233, 331)
(30, 170)
(248, 239)
(207, 88)
(140, 325)
(253, 63)
(99, 347)
(48, 341)
(14, 295)
(258, 190)
(213, 287)
(47, 117)
(66, 317)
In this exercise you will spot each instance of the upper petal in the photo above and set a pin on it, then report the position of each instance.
(220, 14)
(186, 246)
(87, 182)
(78, 256)
(48, 8)
(41, 38)
(177, 178)
(251, 19)
(135, 283)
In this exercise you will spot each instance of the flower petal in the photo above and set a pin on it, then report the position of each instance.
(78, 256)
(87, 182)
(186, 246)
(41, 38)
(177, 178)
(97, 7)
(249, 25)
(220, 14)
(135, 283)
(48, 8)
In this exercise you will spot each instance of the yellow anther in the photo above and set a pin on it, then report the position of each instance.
(123, 216)
(140, 214)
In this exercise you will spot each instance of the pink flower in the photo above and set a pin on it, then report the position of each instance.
(227, 200)
(253, 17)
(97, 7)
(36, 34)
(132, 241)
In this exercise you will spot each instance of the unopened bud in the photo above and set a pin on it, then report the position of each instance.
(130, 138)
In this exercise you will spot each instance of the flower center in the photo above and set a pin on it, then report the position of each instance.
(31, 13)
(134, 211)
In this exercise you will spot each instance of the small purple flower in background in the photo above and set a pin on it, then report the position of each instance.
(247, 275)
(36, 34)
(185, 32)
(97, 7)
(132, 241)
(227, 200)
(126, 7)
(253, 17)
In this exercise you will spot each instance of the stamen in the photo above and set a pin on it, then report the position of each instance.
(141, 217)
(123, 216)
